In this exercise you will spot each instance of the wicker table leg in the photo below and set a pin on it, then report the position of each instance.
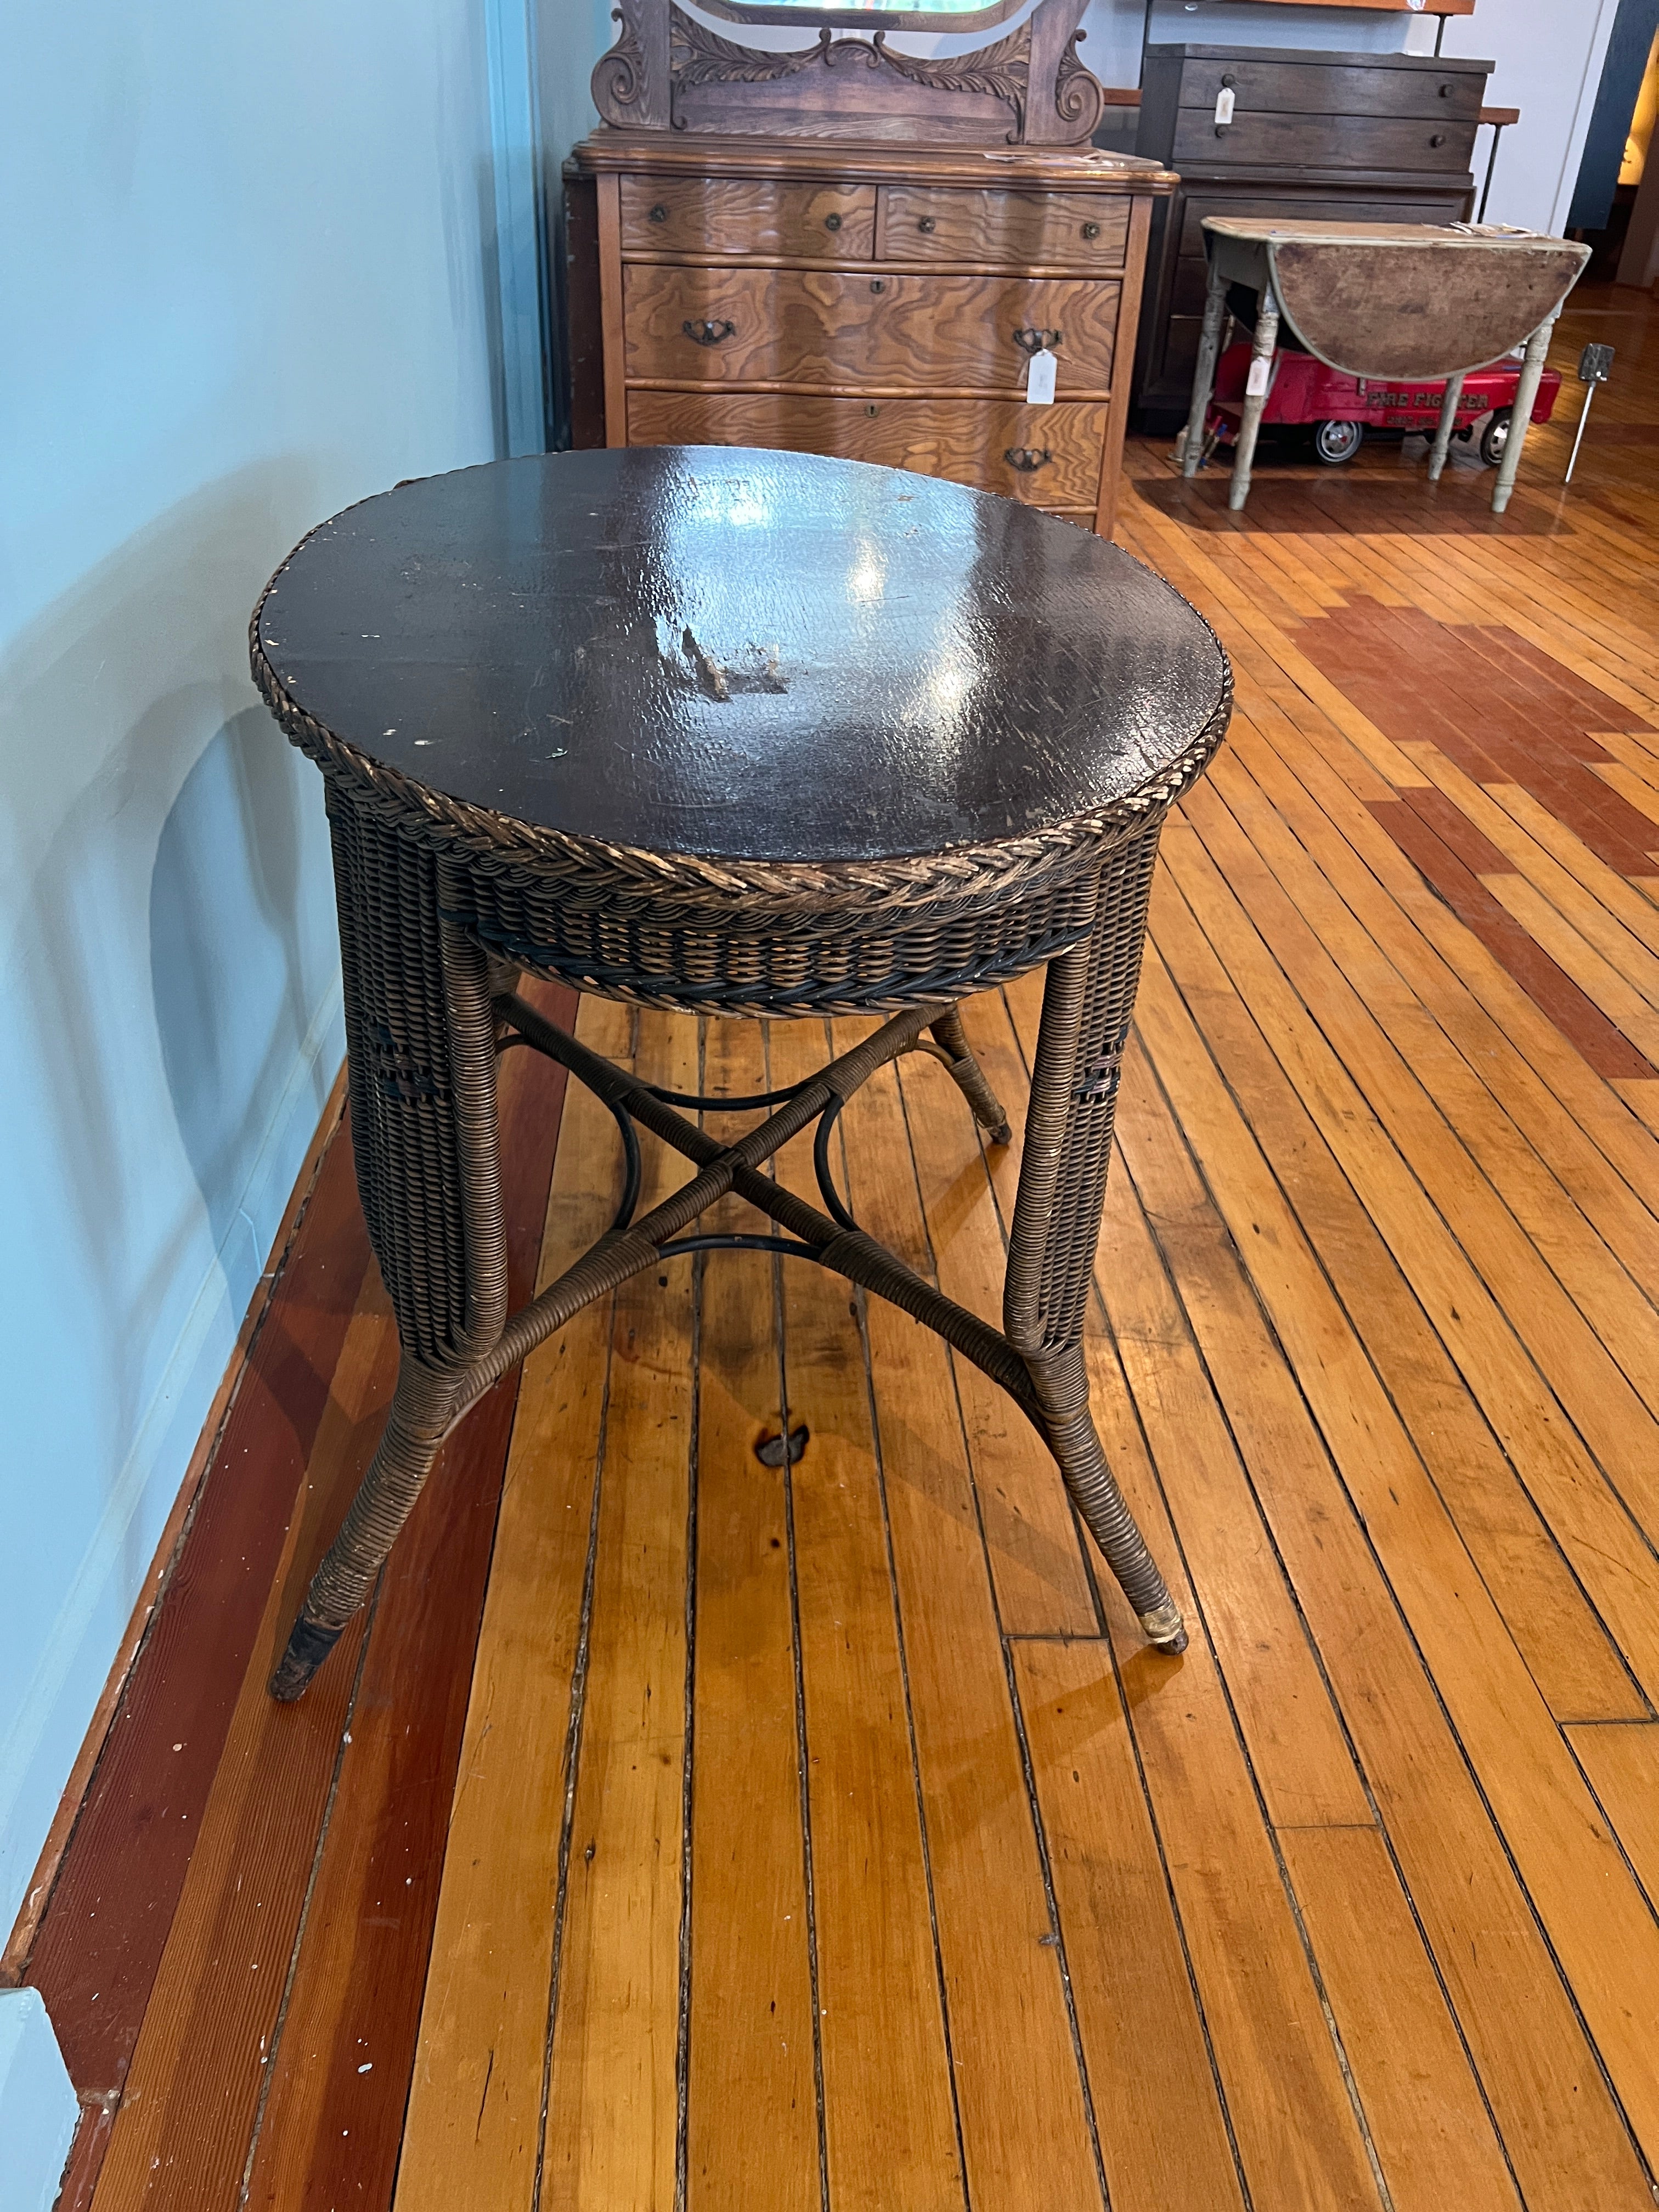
(422, 1033)
(1086, 1006)
(949, 1035)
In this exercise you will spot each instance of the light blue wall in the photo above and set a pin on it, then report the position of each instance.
(247, 275)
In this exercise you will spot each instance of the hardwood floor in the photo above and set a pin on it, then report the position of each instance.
(681, 1829)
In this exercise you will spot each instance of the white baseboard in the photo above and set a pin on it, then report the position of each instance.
(39, 1746)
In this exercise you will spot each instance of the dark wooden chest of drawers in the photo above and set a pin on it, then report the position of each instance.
(1309, 137)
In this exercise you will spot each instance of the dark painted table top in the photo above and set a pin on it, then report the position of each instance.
(735, 654)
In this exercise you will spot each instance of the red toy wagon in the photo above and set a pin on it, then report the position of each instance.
(1340, 408)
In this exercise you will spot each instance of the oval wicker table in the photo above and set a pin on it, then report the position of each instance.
(740, 734)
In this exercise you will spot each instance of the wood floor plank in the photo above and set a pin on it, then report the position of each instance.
(1562, 2133)
(95, 1956)
(1608, 912)
(1575, 952)
(181, 2136)
(340, 2071)
(1326, 770)
(1622, 1763)
(1301, 1761)
(1041, 1589)
(1018, 2087)
(1535, 1097)
(889, 2115)
(1299, 2139)
(1434, 2135)
(1162, 2131)
(472, 2130)
(1478, 1333)
(752, 2031)
(1518, 1553)
(612, 2098)
(1443, 1105)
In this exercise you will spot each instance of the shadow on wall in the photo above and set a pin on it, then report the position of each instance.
(169, 996)
(224, 903)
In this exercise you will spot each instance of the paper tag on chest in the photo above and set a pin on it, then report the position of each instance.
(1040, 378)
(1256, 382)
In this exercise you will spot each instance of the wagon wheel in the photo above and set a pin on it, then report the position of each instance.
(1335, 442)
(1495, 437)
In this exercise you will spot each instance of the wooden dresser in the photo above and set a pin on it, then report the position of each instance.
(870, 298)
(1307, 137)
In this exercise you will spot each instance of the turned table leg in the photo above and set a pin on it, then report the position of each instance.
(1255, 395)
(1209, 352)
(1447, 424)
(1532, 371)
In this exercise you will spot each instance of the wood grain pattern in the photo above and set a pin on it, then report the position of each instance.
(611, 2099)
(1336, 142)
(966, 440)
(1622, 1763)
(19, 1944)
(1434, 2136)
(1036, 1563)
(799, 327)
(473, 2129)
(1019, 2096)
(889, 2096)
(752, 2028)
(1060, 230)
(758, 217)
(1143, 2035)
(334, 2120)
(95, 1958)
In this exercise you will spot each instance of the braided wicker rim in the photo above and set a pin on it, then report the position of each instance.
(991, 873)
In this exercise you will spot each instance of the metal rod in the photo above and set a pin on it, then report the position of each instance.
(1439, 31)
(1584, 417)
(1491, 159)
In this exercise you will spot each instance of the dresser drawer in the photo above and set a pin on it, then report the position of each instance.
(1293, 203)
(1321, 142)
(931, 222)
(833, 328)
(748, 214)
(1325, 88)
(1055, 451)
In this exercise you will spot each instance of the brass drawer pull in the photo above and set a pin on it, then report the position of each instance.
(1033, 342)
(1027, 459)
(660, 213)
(709, 333)
(832, 222)
(1092, 230)
(927, 223)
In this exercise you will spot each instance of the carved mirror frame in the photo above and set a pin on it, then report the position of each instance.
(670, 71)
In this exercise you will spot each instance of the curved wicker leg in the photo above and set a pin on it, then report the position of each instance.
(1062, 1384)
(420, 1411)
(953, 1040)
(1087, 1002)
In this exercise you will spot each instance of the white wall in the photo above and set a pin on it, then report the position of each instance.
(246, 270)
(1549, 55)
